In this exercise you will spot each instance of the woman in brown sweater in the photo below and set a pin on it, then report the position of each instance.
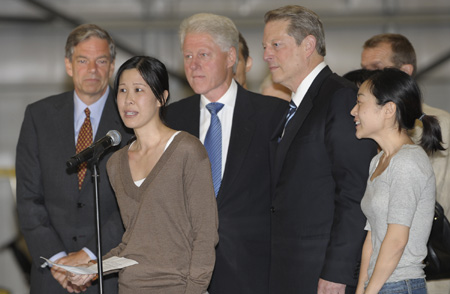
(164, 189)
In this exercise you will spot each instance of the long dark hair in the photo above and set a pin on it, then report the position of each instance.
(153, 72)
(394, 85)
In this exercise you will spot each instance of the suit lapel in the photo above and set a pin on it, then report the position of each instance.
(295, 124)
(65, 134)
(191, 116)
(297, 121)
(64, 127)
(291, 130)
(242, 130)
(109, 120)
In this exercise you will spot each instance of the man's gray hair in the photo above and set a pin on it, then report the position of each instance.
(84, 32)
(302, 22)
(220, 28)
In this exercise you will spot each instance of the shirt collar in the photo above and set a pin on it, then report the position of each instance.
(96, 108)
(228, 99)
(298, 95)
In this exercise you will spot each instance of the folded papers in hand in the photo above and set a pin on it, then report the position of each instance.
(112, 263)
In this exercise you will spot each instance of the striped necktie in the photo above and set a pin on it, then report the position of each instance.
(290, 114)
(213, 144)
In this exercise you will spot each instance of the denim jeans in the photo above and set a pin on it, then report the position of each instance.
(416, 286)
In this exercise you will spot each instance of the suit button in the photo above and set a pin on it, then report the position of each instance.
(272, 209)
(80, 205)
(74, 238)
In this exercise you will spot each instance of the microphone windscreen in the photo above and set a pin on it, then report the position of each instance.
(115, 136)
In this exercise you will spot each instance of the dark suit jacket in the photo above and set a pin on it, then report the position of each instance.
(320, 169)
(243, 201)
(54, 215)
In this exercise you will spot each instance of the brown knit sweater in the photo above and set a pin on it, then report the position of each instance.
(170, 220)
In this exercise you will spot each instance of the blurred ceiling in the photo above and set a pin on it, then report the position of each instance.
(167, 14)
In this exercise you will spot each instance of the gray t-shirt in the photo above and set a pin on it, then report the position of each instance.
(403, 194)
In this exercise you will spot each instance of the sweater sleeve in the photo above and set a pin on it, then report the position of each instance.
(113, 169)
(199, 193)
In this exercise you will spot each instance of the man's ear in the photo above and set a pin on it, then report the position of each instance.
(309, 44)
(232, 57)
(68, 64)
(248, 64)
(111, 68)
(408, 68)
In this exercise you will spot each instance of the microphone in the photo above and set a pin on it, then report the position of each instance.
(112, 138)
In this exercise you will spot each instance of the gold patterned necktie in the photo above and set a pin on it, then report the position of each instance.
(84, 140)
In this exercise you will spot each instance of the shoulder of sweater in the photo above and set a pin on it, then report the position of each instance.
(115, 157)
(190, 144)
(188, 140)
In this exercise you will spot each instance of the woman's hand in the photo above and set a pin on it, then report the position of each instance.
(82, 280)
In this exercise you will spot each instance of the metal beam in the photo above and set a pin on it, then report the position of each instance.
(433, 65)
(119, 44)
(25, 19)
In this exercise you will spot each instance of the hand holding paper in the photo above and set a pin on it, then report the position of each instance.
(109, 264)
(80, 275)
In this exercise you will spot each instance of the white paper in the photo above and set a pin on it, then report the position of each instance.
(109, 264)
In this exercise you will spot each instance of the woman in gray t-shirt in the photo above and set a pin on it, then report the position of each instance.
(400, 194)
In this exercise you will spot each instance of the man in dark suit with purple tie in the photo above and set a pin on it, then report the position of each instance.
(319, 168)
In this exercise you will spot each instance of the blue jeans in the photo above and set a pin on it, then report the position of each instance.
(416, 286)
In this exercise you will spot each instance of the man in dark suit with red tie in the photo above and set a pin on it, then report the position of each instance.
(319, 168)
(56, 206)
(245, 121)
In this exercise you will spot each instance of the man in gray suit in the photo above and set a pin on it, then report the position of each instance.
(55, 206)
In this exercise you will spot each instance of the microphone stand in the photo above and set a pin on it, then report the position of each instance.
(97, 150)
(93, 164)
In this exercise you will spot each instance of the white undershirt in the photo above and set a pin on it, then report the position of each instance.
(139, 182)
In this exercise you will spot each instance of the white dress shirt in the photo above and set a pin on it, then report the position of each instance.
(96, 113)
(298, 95)
(225, 116)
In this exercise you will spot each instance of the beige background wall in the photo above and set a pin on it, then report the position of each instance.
(32, 42)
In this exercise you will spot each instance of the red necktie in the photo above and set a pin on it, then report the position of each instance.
(84, 141)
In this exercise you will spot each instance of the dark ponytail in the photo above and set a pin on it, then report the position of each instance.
(394, 85)
(431, 136)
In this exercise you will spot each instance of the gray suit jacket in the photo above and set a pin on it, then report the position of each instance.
(54, 215)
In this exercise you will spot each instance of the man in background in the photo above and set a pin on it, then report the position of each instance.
(56, 206)
(395, 50)
(269, 88)
(244, 64)
(235, 126)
